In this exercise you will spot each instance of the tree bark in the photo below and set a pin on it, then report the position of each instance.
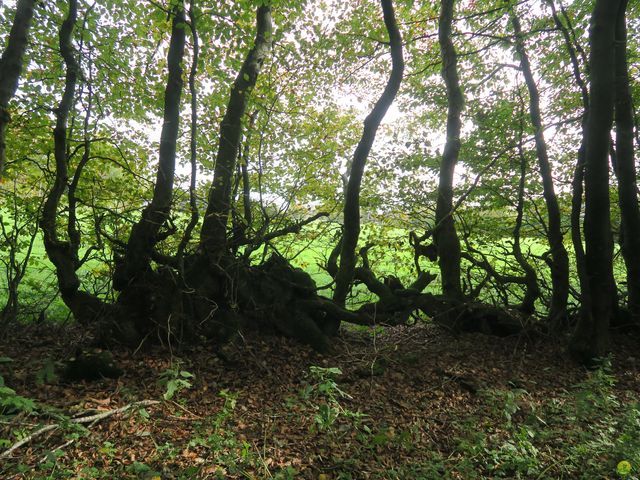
(590, 339)
(559, 262)
(444, 235)
(11, 68)
(351, 220)
(625, 166)
(145, 233)
(213, 235)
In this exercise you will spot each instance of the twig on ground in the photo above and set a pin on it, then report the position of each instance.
(64, 445)
(184, 409)
(91, 419)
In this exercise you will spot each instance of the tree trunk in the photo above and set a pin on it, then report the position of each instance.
(625, 166)
(351, 220)
(531, 288)
(577, 182)
(193, 140)
(11, 67)
(444, 235)
(64, 254)
(559, 262)
(213, 235)
(590, 338)
(145, 233)
(244, 167)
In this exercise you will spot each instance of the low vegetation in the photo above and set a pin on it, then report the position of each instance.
(390, 403)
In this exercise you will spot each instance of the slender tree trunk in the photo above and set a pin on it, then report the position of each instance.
(193, 139)
(351, 220)
(531, 288)
(445, 236)
(559, 263)
(244, 168)
(625, 166)
(145, 234)
(11, 67)
(577, 182)
(213, 235)
(16, 268)
(590, 338)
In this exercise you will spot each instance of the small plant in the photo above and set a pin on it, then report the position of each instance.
(108, 450)
(517, 457)
(230, 401)
(142, 470)
(609, 437)
(287, 473)
(505, 402)
(595, 394)
(47, 374)
(627, 445)
(233, 455)
(175, 380)
(11, 402)
(326, 396)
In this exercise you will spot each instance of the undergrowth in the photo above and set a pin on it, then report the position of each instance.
(587, 432)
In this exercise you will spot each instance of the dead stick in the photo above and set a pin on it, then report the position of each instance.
(64, 445)
(89, 419)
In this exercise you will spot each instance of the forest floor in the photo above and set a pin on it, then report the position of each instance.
(413, 402)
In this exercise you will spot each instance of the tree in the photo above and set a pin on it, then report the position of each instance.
(445, 236)
(188, 258)
(559, 261)
(145, 234)
(625, 167)
(11, 67)
(577, 182)
(64, 254)
(590, 338)
(213, 235)
(351, 222)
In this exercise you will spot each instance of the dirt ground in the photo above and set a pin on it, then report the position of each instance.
(405, 398)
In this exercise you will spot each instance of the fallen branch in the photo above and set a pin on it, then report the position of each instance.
(82, 420)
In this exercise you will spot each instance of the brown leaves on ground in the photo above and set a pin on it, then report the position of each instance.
(414, 386)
